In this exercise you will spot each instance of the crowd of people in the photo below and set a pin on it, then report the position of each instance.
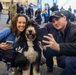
(36, 14)
(61, 36)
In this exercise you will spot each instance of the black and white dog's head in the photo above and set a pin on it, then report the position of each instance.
(31, 30)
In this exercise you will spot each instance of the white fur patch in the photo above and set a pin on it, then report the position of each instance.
(31, 54)
(19, 49)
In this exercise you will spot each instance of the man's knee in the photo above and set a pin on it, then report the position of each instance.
(70, 62)
(50, 53)
(61, 61)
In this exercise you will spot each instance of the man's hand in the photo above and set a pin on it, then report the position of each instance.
(41, 46)
(51, 43)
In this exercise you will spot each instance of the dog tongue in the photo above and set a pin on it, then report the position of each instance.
(30, 36)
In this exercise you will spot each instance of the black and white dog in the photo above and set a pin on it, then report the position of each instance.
(32, 51)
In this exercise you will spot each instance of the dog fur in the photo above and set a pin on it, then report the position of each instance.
(32, 51)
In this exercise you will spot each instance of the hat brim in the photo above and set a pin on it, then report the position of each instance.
(51, 17)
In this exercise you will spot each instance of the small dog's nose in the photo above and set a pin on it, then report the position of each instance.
(30, 31)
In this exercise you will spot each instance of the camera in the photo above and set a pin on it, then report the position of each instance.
(41, 32)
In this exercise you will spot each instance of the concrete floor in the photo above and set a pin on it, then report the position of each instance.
(43, 68)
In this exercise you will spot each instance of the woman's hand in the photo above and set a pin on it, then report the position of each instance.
(51, 42)
(5, 46)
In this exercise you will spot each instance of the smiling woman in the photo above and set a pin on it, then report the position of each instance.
(21, 24)
(14, 34)
(18, 24)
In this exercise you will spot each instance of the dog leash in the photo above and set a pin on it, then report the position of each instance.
(7, 70)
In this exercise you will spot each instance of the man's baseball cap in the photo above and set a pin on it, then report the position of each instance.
(57, 14)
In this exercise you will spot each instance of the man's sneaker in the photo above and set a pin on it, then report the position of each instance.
(49, 69)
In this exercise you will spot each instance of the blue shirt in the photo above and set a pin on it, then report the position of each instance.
(6, 35)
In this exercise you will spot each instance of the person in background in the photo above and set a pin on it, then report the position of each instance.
(18, 8)
(38, 11)
(46, 12)
(70, 9)
(62, 9)
(47, 7)
(11, 11)
(38, 18)
(14, 33)
(1, 7)
(30, 11)
(22, 8)
(26, 10)
(7, 22)
(54, 8)
(64, 45)
(45, 15)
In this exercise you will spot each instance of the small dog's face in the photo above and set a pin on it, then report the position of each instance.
(30, 33)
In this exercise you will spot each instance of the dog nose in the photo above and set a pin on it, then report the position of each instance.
(30, 31)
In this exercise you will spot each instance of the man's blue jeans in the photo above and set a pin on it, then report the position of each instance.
(70, 66)
(48, 54)
(68, 63)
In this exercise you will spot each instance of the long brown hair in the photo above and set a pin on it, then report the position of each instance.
(14, 20)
